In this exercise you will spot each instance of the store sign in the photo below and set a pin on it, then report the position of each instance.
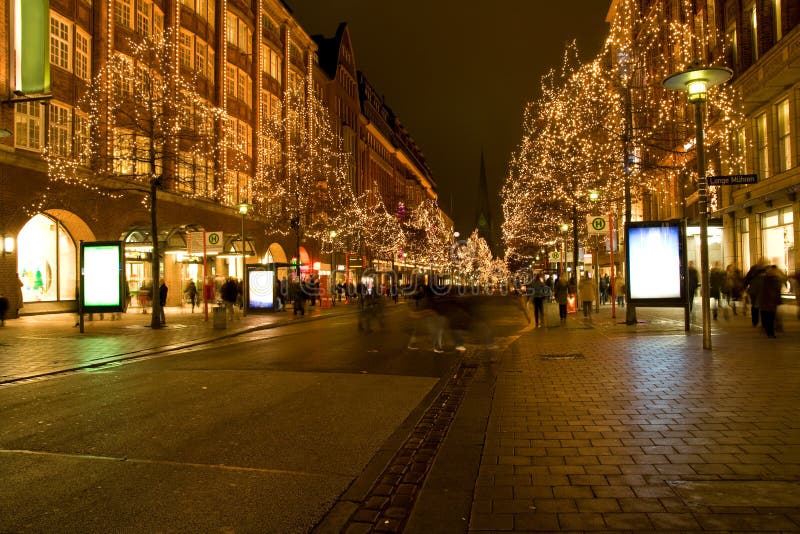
(32, 46)
(555, 256)
(102, 271)
(212, 240)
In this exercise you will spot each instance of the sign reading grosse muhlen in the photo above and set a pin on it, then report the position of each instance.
(733, 179)
(213, 242)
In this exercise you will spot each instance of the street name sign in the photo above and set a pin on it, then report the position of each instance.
(733, 179)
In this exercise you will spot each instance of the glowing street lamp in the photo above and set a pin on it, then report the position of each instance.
(695, 81)
(243, 208)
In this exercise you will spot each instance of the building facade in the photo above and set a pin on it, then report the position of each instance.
(244, 56)
(760, 41)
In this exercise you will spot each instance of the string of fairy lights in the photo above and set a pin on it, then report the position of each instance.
(576, 135)
(149, 120)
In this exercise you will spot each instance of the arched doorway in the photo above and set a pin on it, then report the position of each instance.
(47, 260)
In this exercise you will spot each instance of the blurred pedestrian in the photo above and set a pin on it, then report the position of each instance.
(619, 290)
(3, 309)
(297, 293)
(769, 299)
(561, 294)
(20, 302)
(587, 291)
(229, 292)
(753, 282)
(734, 285)
(539, 292)
(162, 299)
(126, 301)
(716, 281)
(693, 280)
(191, 293)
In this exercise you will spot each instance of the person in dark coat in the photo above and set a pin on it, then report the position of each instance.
(191, 293)
(162, 299)
(693, 281)
(3, 309)
(716, 282)
(229, 292)
(561, 293)
(752, 282)
(769, 298)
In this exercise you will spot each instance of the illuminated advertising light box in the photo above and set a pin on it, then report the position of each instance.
(260, 288)
(102, 271)
(656, 263)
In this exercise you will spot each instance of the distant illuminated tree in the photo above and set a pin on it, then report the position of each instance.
(142, 126)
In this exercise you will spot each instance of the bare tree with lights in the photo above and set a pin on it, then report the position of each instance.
(148, 131)
(302, 183)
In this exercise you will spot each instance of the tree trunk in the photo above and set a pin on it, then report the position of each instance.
(155, 318)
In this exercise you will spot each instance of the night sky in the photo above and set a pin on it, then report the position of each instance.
(458, 74)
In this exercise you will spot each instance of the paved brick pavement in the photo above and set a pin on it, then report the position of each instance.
(44, 344)
(598, 426)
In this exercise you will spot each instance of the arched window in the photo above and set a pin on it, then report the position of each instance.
(46, 260)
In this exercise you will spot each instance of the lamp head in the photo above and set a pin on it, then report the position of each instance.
(696, 80)
(564, 227)
(333, 234)
(8, 244)
(594, 195)
(244, 207)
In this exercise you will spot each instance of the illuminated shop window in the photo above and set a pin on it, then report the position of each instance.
(46, 261)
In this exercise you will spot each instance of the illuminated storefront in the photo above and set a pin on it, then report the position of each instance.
(777, 238)
(46, 261)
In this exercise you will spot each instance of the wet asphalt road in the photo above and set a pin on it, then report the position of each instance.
(259, 433)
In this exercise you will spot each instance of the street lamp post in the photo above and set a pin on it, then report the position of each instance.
(244, 207)
(333, 235)
(695, 81)
(594, 196)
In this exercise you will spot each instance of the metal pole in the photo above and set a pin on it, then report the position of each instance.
(611, 290)
(244, 272)
(703, 194)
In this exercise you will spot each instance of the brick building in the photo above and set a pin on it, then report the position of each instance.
(245, 55)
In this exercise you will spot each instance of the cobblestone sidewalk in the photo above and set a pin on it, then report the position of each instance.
(598, 426)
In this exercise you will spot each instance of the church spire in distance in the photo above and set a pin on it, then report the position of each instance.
(483, 216)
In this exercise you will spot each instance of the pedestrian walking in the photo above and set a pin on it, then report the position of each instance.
(162, 300)
(693, 280)
(753, 281)
(20, 302)
(587, 291)
(3, 309)
(561, 295)
(145, 291)
(619, 290)
(769, 299)
(126, 301)
(228, 292)
(734, 285)
(297, 293)
(191, 293)
(716, 281)
(538, 293)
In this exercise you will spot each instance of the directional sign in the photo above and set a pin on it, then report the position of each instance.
(734, 179)
(555, 255)
(213, 242)
(596, 224)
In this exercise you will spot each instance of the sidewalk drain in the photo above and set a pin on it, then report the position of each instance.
(388, 504)
(562, 356)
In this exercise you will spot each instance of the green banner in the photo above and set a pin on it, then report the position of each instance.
(32, 31)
